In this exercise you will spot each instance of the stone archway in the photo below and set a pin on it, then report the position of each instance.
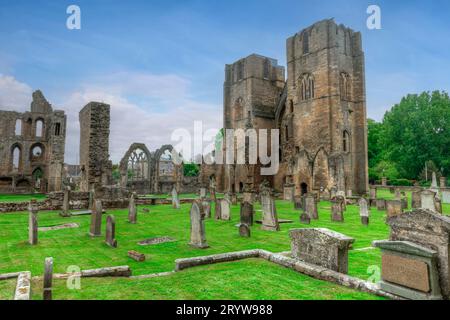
(136, 169)
(177, 170)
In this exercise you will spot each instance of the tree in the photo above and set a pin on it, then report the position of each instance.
(191, 170)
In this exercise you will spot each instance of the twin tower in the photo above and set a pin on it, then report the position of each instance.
(320, 111)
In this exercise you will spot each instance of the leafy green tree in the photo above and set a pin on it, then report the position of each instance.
(191, 170)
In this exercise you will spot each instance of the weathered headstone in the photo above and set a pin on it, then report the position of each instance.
(446, 196)
(289, 191)
(48, 279)
(305, 218)
(336, 213)
(247, 197)
(298, 203)
(364, 212)
(404, 202)
(96, 219)
(225, 210)
(443, 182)
(416, 199)
(66, 203)
(311, 207)
(430, 230)
(393, 208)
(434, 185)
(91, 200)
(198, 237)
(244, 230)
(132, 212)
(381, 204)
(111, 231)
(349, 193)
(218, 209)
(202, 193)
(175, 200)
(427, 200)
(373, 193)
(269, 213)
(206, 208)
(409, 270)
(234, 199)
(33, 223)
(398, 195)
(321, 247)
(246, 213)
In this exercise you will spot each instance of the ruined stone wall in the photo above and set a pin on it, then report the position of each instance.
(41, 160)
(94, 146)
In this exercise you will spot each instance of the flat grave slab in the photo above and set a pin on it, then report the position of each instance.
(153, 241)
(59, 227)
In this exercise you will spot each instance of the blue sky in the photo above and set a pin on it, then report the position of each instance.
(160, 64)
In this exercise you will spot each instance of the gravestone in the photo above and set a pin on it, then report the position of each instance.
(416, 199)
(394, 208)
(91, 200)
(364, 212)
(246, 213)
(321, 247)
(333, 192)
(225, 212)
(349, 193)
(373, 193)
(244, 230)
(336, 213)
(218, 209)
(288, 194)
(443, 182)
(381, 204)
(96, 219)
(175, 200)
(206, 208)
(234, 199)
(398, 195)
(48, 279)
(446, 196)
(32, 223)
(247, 197)
(111, 231)
(132, 212)
(298, 203)
(404, 201)
(269, 213)
(427, 200)
(430, 230)
(198, 237)
(311, 207)
(305, 218)
(434, 185)
(66, 203)
(409, 270)
(384, 182)
(202, 193)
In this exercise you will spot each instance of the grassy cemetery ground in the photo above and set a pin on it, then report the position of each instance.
(21, 197)
(247, 279)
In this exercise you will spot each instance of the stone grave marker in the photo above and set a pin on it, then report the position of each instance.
(66, 203)
(427, 200)
(394, 207)
(225, 211)
(321, 247)
(96, 219)
(305, 218)
(198, 235)
(298, 203)
(311, 207)
(132, 211)
(202, 193)
(336, 213)
(48, 279)
(33, 223)
(288, 194)
(446, 196)
(111, 231)
(416, 199)
(269, 213)
(246, 213)
(244, 230)
(364, 212)
(175, 200)
(381, 204)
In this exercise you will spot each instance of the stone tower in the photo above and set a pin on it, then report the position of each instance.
(96, 168)
(251, 90)
(326, 99)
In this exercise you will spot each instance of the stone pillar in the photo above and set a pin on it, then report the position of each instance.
(218, 209)
(132, 212)
(198, 235)
(434, 185)
(96, 219)
(33, 223)
(48, 279)
(111, 231)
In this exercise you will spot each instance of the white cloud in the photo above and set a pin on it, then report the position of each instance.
(14, 95)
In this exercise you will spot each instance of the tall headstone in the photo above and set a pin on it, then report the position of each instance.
(246, 213)
(269, 213)
(33, 223)
(247, 197)
(446, 196)
(336, 213)
(381, 204)
(206, 208)
(198, 236)
(91, 199)
(373, 193)
(394, 208)
(218, 209)
(202, 193)
(96, 219)
(225, 210)
(364, 212)
(48, 279)
(443, 182)
(111, 231)
(427, 200)
(132, 212)
(175, 200)
(66, 202)
(289, 191)
(434, 184)
(298, 203)
(311, 207)
(416, 199)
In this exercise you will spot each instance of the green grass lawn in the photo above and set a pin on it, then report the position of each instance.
(21, 197)
(244, 279)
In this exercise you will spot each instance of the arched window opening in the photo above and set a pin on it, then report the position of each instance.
(37, 178)
(16, 158)
(138, 166)
(18, 130)
(307, 87)
(346, 141)
(39, 128)
(57, 129)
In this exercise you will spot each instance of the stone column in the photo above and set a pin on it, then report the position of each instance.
(48, 279)
(33, 223)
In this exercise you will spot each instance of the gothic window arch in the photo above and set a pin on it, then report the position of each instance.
(346, 144)
(39, 133)
(16, 158)
(307, 87)
(344, 85)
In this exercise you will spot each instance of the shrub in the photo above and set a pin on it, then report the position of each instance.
(401, 183)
